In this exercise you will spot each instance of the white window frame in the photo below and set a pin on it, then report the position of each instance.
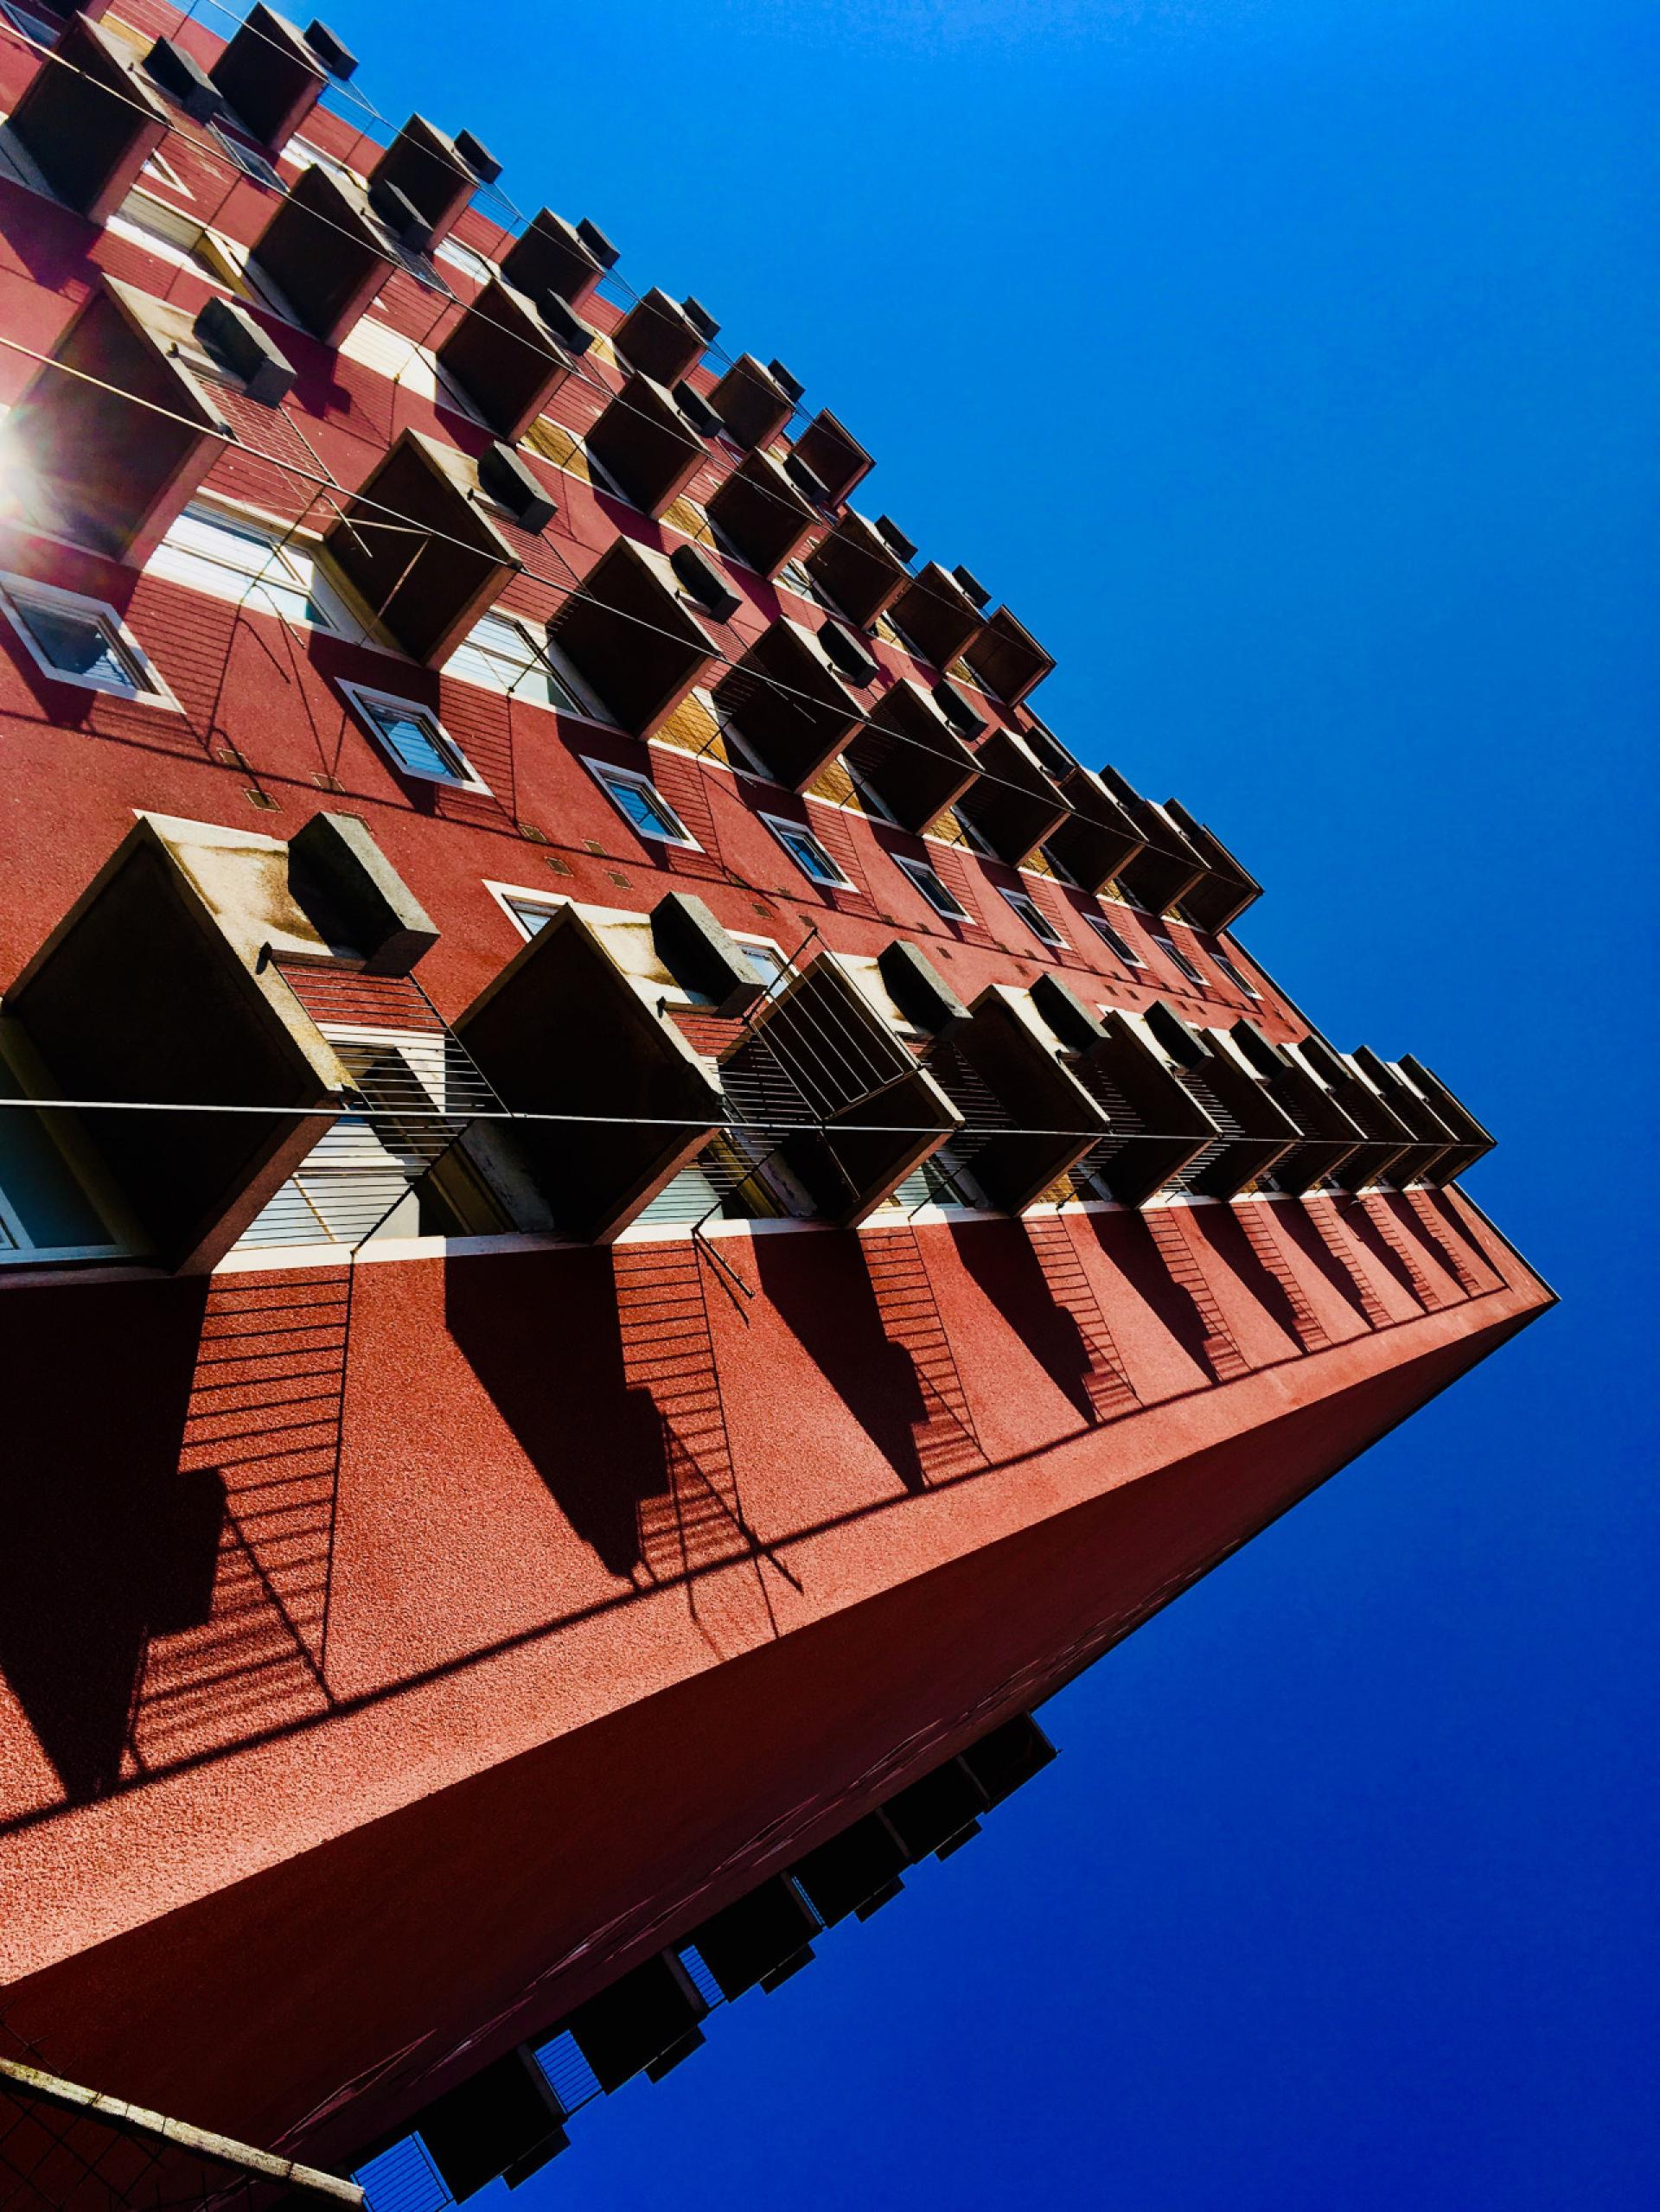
(460, 255)
(1115, 941)
(606, 772)
(1232, 973)
(242, 151)
(157, 226)
(783, 829)
(240, 589)
(915, 870)
(153, 691)
(364, 698)
(304, 155)
(1183, 963)
(1043, 928)
(158, 164)
(587, 705)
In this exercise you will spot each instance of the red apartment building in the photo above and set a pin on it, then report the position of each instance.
(635, 1210)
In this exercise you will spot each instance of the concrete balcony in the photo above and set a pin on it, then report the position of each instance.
(326, 253)
(909, 756)
(858, 567)
(565, 1031)
(750, 402)
(792, 709)
(505, 360)
(271, 76)
(1156, 1128)
(416, 543)
(1012, 803)
(1255, 1131)
(1330, 1137)
(631, 637)
(116, 430)
(659, 337)
(1007, 658)
(87, 120)
(550, 255)
(832, 456)
(759, 511)
(1217, 898)
(642, 441)
(935, 615)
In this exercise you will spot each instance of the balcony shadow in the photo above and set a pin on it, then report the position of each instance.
(551, 1356)
(999, 1257)
(1134, 1253)
(1297, 1228)
(829, 1302)
(102, 1541)
(1360, 1225)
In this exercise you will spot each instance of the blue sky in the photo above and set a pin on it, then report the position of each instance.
(1287, 364)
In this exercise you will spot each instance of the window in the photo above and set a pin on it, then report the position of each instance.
(173, 236)
(1034, 917)
(248, 159)
(306, 156)
(415, 737)
(767, 964)
(1114, 942)
(1233, 973)
(44, 1213)
(464, 258)
(81, 641)
(933, 890)
(807, 853)
(641, 805)
(531, 915)
(235, 557)
(797, 578)
(30, 25)
(506, 654)
(1178, 959)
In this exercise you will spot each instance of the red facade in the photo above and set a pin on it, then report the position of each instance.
(452, 1589)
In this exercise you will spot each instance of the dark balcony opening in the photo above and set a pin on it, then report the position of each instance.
(1433, 1143)
(1007, 1758)
(1222, 893)
(658, 337)
(115, 432)
(1157, 1129)
(549, 256)
(1385, 1138)
(504, 359)
(760, 513)
(933, 1814)
(832, 456)
(1006, 657)
(852, 1873)
(271, 76)
(1166, 867)
(751, 403)
(629, 635)
(1012, 803)
(325, 252)
(819, 1078)
(857, 568)
(1329, 1136)
(1254, 1133)
(653, 2010)
(87, 120)
(907, 754)
(935, 615)
(1097, 838)
(758, 1938)
(642, 441)
(501, 2119)
(423, 166)
(1473, 1142)
(562, 1031)
(1027, 1119)
(416, 544)
(155, 990)
(792, 710)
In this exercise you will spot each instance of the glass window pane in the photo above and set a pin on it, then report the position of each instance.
(79, 645)
(47, 1201)
(648, 815)
(767, 966)
(415, 739)
(532, 916)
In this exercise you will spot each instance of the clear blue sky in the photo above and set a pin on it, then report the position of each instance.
(1288, 365)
